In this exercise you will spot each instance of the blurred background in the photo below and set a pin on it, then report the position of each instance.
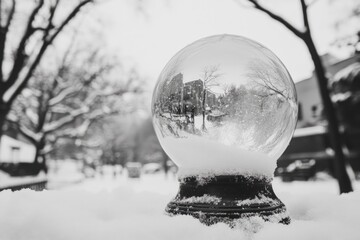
(76, 80)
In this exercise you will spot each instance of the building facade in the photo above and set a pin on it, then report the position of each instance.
(14, 148)
(310, 103)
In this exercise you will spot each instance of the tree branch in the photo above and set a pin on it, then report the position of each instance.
(46, 43)
(30, 135)
(276, 17)
(81, 130)
(305, 15)
(3, 33)
(63, 94)
(11, 15)
(69, 91)
(65, 120)
(69, 17)
(20, 56)
(47, 149)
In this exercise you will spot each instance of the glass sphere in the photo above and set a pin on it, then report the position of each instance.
(224, 105)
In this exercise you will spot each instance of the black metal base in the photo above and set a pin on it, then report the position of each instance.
(228, 198)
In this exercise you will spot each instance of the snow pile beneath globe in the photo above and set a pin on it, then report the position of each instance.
(126, 213)
(213, 158)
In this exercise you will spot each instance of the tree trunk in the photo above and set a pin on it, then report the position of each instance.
(165, 165)
(37, 154)
(333, 123)
(2, 122)
(4, 110)
(41, 165)
(204, 108)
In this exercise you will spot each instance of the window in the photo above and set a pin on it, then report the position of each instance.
(15, 154)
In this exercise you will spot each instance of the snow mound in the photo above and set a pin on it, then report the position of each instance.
(125, 213)
(198, 156)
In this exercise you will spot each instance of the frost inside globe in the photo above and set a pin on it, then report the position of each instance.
(224, 105)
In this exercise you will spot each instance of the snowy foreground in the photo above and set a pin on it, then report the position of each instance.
(120, 208)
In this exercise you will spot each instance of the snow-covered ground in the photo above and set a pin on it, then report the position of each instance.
(64, 173)
(120, 208)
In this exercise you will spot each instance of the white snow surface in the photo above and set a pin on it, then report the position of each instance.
(121, 208)
(203, 199)
(199, 156)
(257, 200)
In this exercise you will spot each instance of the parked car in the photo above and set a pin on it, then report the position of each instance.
(133, 169)
(151, 168)
(301, 170)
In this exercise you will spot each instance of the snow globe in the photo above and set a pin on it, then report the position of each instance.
(224, 110)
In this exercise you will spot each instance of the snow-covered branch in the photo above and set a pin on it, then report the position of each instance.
(57, 124)
(81, 130)
(64, 93)
(26, 132)
(47, 149)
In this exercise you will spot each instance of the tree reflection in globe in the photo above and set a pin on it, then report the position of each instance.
(224, 105)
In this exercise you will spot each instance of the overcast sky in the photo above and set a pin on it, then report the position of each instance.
(149, 37)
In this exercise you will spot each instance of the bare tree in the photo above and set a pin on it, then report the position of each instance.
(269, 77)
(66, 103)
(350, 40)
(209, 77)
(333, 124)
(41, 29)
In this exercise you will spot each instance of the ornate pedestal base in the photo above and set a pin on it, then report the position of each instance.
(227, 198)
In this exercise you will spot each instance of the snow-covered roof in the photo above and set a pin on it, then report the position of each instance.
(309, 131)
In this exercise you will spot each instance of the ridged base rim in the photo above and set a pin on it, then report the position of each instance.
(209, 215)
